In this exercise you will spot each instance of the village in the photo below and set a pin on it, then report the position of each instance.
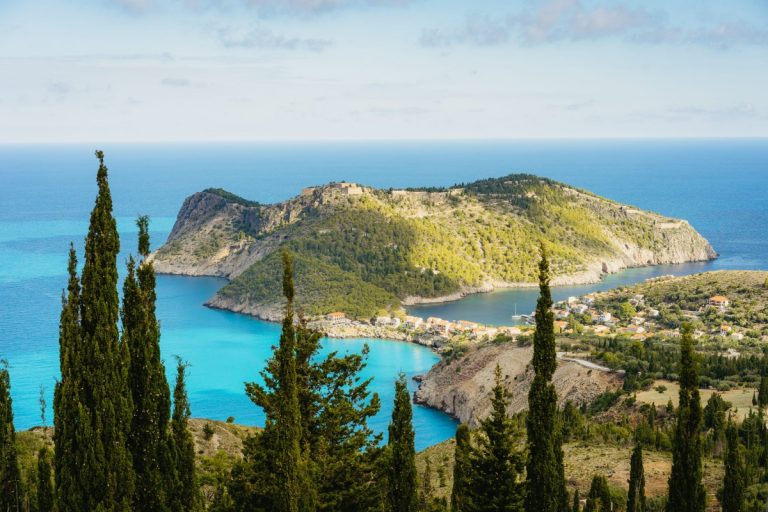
(636, 320)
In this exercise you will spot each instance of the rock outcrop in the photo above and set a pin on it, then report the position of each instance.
(461, 387)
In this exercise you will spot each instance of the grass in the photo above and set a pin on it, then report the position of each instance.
(741, 398)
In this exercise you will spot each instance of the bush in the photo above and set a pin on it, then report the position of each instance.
(207, 431)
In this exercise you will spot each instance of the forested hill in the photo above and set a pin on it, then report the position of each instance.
(361, 250)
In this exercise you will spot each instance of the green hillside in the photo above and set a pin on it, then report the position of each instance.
(375, 247)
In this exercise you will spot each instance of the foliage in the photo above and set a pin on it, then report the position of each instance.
(401, 470)
(10, 478)
(92, 402)
(545, 485)
(497, 463)
(686, 493)
(636, 493)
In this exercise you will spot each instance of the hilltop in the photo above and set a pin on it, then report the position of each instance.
(362, 250)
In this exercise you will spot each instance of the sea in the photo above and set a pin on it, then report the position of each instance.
(47, 191)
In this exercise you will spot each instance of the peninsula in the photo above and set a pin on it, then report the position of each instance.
(364, 252)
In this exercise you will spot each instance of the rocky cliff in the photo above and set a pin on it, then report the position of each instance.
(415, 245)
(462, 387)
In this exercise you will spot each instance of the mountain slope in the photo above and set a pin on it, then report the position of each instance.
(415, 245)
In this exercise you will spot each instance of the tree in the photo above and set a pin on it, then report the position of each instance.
(149, 438)
(462, 471)
(496, 462)
(44, 487)
(402, 493)
(734, 482)
(92, 403)
(686, 492)
(636, 499)
(576, 507)
(10, 479)
(599, 497)
(185, 495)
(339, 451)
(546, 490)
(762, 395)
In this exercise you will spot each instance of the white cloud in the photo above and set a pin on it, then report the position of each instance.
(571, 20)
(262, 38)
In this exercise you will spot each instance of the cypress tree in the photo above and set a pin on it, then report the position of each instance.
(44, 487)
(93, 403)
(186, 493)
(734, 480)
(462, 471)
(576, 507)
(636, 498)
(599, 497)
(496, 463)
(10, 479)
(686, 492)
(71, 418)
(403, 491)
(149, 438)
(546, 491)
(762, 396)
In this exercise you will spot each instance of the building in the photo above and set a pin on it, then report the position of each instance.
(653, 313)
(337, 318)
(605, 316)
(560, 325)
(719, 301)
(413, 322)
(382, 321)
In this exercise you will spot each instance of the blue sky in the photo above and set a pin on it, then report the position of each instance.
(188, 70)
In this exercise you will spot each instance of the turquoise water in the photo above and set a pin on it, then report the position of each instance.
(46, 193)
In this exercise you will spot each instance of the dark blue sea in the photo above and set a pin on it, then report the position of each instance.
(47, 191)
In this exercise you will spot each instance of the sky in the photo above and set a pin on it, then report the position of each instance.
(231, 70)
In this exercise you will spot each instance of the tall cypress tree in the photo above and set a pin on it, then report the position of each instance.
(762, 396)
(10, 480)
(686, 492)
(149, 438)
(403, 490)
(496, 462)
(462, 471)
(185, 496)
(44, 487)
(546, 491)
(93, 403)
(734, 480)
(71, 418)
(636, 498)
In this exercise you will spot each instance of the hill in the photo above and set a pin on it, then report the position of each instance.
(362, 250)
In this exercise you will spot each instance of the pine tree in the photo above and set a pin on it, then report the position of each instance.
(462, 471)
(185, 496)
(10, 479)
(93, 405)
(686, 492)
(496, 462)
(599, 497)
(44, 488)
(340, 454)
(403, 490)
(149, 439)
(425, 494)
(546, 490)
(636, 498)
(576, 507)
(732, 499)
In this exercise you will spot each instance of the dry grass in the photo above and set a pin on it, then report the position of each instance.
(741, 399)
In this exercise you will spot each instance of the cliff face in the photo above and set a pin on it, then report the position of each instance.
(462, 387)
(418, 245)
